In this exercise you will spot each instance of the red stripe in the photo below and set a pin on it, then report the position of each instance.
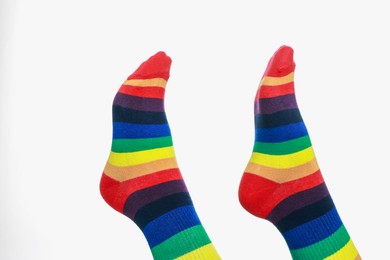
(259, 195)
(162, 74)
(115, 193)
(275, 91)
(147, 92)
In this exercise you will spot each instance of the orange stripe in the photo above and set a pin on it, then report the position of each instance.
(275, 81)
(153, 82)
(129, 172)
(283, 175)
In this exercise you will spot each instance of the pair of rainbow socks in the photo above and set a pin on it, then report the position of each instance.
(281, 183)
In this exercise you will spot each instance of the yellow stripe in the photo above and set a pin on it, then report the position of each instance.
(283, 161)
(348, 252)
(135, 158)
(283, 175)
(155, 82)
(205, 252)
(274, 81)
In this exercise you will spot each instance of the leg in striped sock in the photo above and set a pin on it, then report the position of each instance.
(282, 182)
(141, 179)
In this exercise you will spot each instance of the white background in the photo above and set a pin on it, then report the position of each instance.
(63, 61)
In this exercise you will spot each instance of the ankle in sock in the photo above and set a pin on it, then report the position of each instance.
(282, 181)
(141, 178)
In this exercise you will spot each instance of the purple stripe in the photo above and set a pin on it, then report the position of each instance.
(139, 103)
(272, 105)
(298, 201)
(145, 196)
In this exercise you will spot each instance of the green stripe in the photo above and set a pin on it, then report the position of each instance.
(324, 248)
(281, 148)
(133, 145)
(181, 243)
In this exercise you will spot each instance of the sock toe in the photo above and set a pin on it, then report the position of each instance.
(281, 63)
(157, 66)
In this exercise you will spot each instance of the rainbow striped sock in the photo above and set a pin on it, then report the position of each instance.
(282, 182)
(141, 179)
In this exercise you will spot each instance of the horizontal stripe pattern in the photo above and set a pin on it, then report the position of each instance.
(143, 197)
(282, 148)
(332, 221)
(298, 201)
(154, 82)
(161, 206)
(276, 81)
(282, 175)
(121, 173)
(281, 163)
(133, 145)
(205, 252)
(141, 178)
(349, 251)
(326, 248)
(281, 133)
(280, 118)
(150, 92)
(182, 243)
(139, 103)
(275, 91)
(188, 219)
(136, 131)
(306, 214)
(272, 105)
(140, 157)
(122, 114)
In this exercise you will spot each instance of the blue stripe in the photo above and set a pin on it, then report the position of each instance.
(129, 130)
(313, 231)
(281, 133)
(170, 224)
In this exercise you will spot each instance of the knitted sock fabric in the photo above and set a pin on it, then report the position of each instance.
(141, 178)
(282, 181)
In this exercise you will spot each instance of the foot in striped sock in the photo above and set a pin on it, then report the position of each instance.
(282, 182)
(141, 179)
